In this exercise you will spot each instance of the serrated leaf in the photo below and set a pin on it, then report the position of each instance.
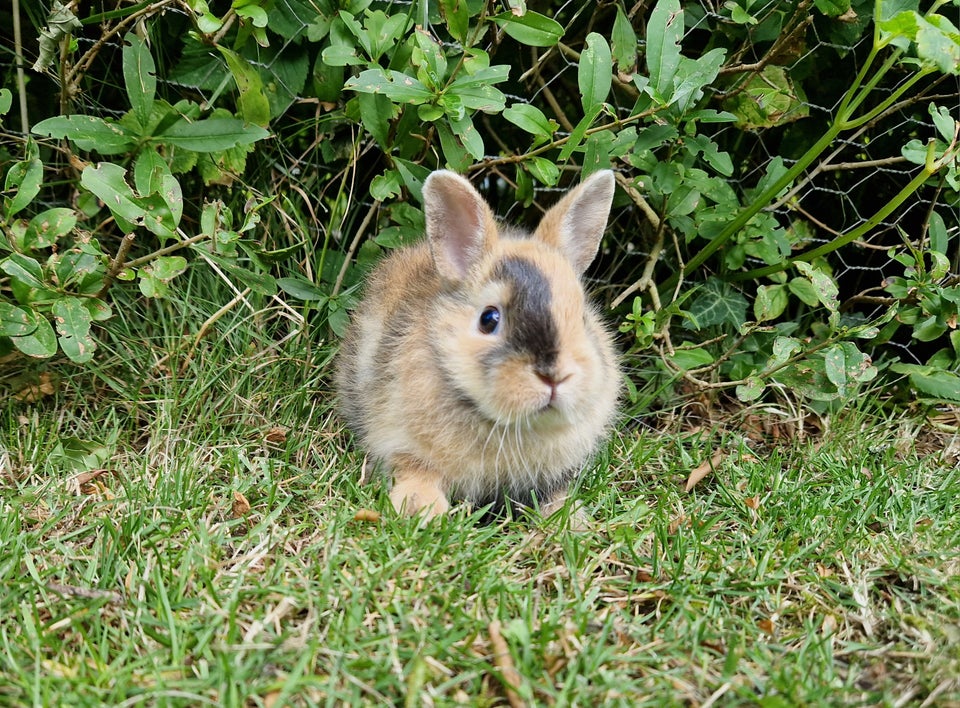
(73, 326)
(25, 177)
(89, 133)
(212, 134)
(664, 32)
(530, 28)
(932, 381)
(594, 76)
(139, 76)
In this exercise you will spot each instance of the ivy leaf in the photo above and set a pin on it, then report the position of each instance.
(717, 303)
(594, 73)
(530, 28)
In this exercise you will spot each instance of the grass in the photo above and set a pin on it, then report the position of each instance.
(219, 559)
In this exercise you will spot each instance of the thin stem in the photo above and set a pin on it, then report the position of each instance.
(21, 82)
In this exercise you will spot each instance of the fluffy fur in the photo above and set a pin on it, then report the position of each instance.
(454, 412)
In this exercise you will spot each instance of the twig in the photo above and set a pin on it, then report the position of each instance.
(509, 675)
(645, 282)
(116, 265)
(21, 82)
(348, 259)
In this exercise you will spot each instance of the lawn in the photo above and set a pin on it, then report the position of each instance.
(184, 524)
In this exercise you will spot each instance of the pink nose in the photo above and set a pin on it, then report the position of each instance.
(552, 381)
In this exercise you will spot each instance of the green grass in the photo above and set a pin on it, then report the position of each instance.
(811, 573)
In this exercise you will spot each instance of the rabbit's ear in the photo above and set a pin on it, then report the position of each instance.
(460, 225)
(576, 223)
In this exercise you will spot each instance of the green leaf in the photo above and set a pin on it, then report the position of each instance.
(6, 101)
(720, 161)
(384, 186)
(664, 32)
(376, 110)
(212, 134)
(594, 76)
(803, 289)
(469, 136)
(934, 382)
(832, 8)
(544, 170)
(823, 285)
(623, 43)
(717, 303)
(578, 133)
(751, 389)
(168, 267)
(943, 120)
(689, 359)
(938, 234)
(531, 119)
(398, 87)
(140, 77)
(770, 303)
(73, 326)
(531, 28)
(41, 342)
(253, 103)
(23, 268)
(302, 289)
(108, 182)
(89, 133)
(457, 16)
(46, 227)
(25, 177)
(15, 321)
(938, 43)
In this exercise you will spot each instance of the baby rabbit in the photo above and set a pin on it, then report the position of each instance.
(474, 367)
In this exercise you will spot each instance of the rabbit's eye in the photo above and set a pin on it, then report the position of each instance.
(489, 320)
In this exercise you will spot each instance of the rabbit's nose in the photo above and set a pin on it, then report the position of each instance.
(552, 379)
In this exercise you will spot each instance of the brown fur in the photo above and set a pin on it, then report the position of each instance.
(452, 412)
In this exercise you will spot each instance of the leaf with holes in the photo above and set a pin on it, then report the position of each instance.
(46, 227)
(73, 326)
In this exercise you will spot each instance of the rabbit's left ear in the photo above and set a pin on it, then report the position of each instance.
(576, 223)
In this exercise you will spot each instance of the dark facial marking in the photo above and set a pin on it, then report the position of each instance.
(531, 328)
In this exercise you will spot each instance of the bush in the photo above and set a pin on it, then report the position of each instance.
(789, 201)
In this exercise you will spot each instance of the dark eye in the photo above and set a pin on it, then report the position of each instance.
(489, 320)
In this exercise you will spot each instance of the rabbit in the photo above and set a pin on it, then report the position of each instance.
(474, 369)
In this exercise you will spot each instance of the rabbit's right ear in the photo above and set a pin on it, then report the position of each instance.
(460, 225)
